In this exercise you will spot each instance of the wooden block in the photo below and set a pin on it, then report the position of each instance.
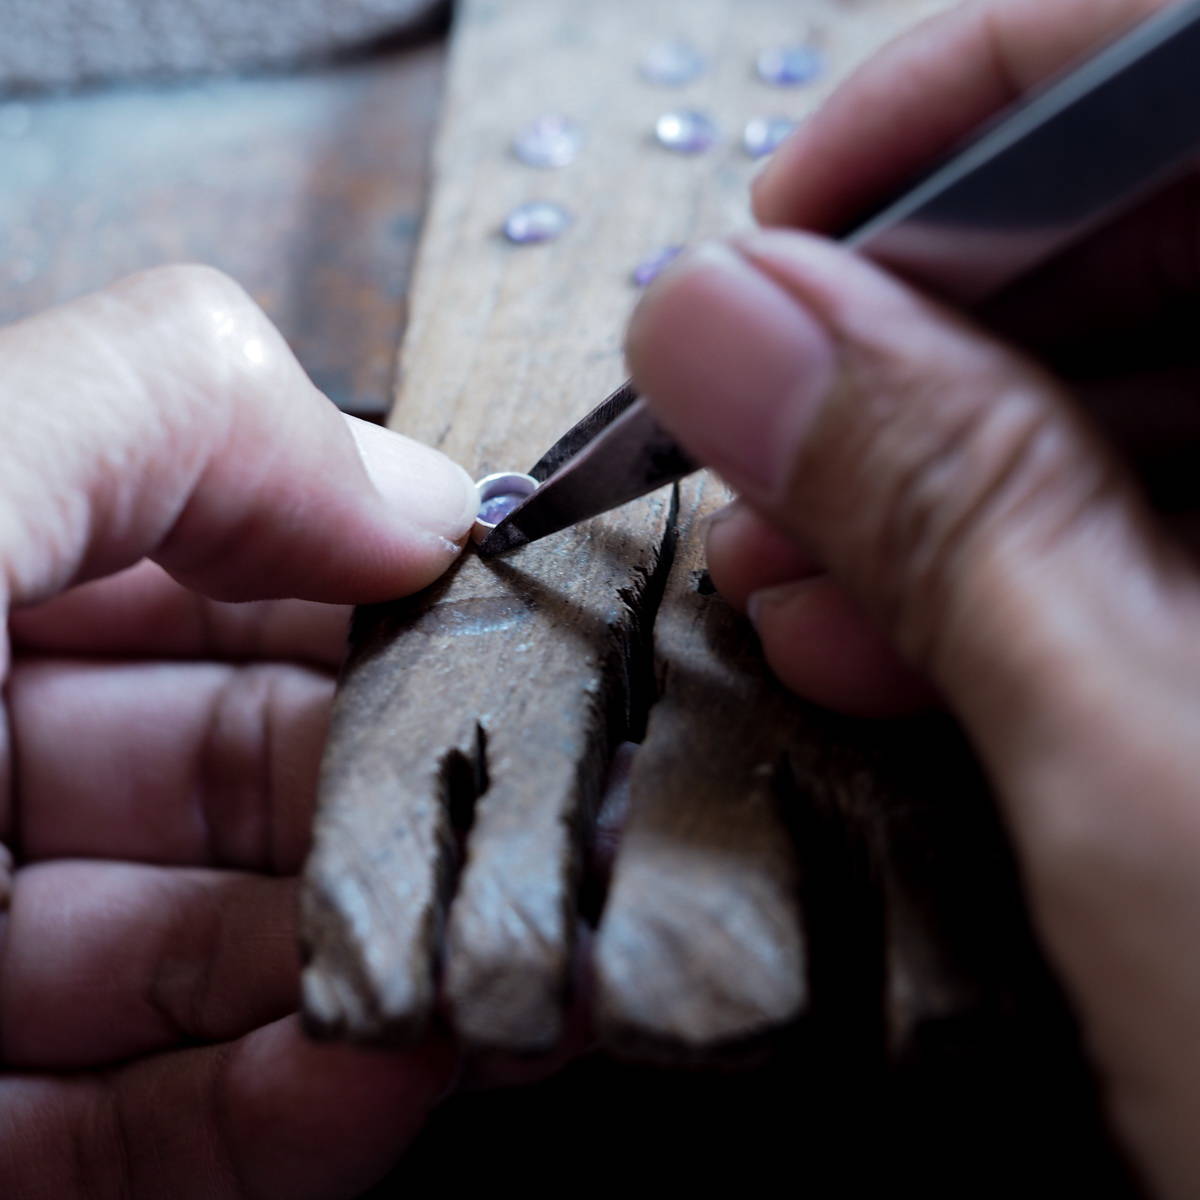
(701, 948)
(514, 679)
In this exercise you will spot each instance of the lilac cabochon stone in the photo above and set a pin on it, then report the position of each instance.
(549, 141)
(685, 131)
(538, 221)
(649, 268)
(495, 509)
(789, 66)
(763, 135)
(672, 63)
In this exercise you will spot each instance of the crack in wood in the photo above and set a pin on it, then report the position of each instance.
(429, 732)
(700, 950)
(508, 967)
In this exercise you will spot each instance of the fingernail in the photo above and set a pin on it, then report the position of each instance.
(419, 483)
(774, 596)
(732, 364)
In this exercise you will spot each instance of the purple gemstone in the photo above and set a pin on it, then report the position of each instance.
(685, 131)
(672, 64)
(495, 508)
(790, 66)
(538, 221)
(550, 141)
(650, 267)
(763, 135)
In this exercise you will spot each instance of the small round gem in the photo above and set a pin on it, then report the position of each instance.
(538, 221)
(789, 66)
(672, 63)
(493, 510)
(650, 268)
(549, 141)
(685, 131)
(499, 495)
(763, 135)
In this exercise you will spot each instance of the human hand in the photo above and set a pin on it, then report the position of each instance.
(159, 749)
(932, 510)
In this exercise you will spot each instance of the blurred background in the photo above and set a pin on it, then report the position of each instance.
(283, 141)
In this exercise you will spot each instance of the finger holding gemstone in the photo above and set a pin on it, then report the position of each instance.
(685, 131)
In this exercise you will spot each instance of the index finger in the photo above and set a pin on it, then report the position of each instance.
(921, 95)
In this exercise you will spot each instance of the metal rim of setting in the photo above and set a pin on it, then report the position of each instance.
(492, 487)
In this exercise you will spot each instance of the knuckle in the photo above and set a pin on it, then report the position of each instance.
(951, 471)
(208, 316)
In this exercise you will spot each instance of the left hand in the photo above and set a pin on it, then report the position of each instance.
(159, 748)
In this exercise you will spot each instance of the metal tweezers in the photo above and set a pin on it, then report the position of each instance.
(1053, 167)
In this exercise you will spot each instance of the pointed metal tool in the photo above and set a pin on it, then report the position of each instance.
(1050, 169)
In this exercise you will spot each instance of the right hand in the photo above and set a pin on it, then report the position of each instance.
(932, 508)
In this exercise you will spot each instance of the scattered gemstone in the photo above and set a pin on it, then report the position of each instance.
(685, 131)
(653, 266)
(789, 66)
(496, 508)
(538, 221)
(763, 135)
(672, 64)
(550, 141)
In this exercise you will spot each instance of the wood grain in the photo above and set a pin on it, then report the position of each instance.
(515, 679)
(701, 946)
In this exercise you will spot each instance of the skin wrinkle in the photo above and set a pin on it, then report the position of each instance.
(208, 778)
(181, 1002)
(217, 1096)
(939, 545)
(108, 1099)
(266, 848)
(206, 636)
(114, 504)
(243, 841)
(166, 432)
(870, 370)
(7, 799)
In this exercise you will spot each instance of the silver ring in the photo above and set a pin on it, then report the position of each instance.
(499, 494)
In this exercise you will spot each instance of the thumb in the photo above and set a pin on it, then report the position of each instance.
(165, 417)
(944, 481)
(953, 490)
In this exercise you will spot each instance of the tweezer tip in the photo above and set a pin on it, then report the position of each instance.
(501, 540)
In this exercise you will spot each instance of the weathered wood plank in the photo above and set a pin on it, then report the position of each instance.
(701, 948)
(532, 659)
